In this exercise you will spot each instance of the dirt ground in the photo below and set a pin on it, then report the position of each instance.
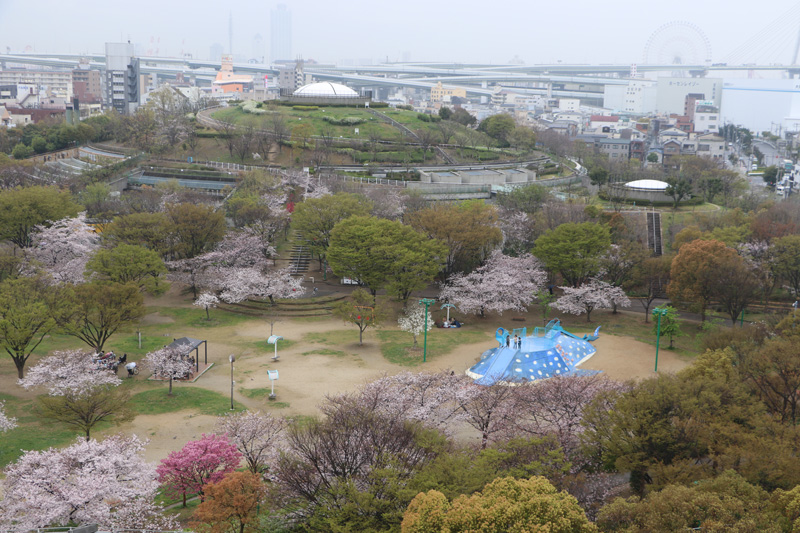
(305, 380)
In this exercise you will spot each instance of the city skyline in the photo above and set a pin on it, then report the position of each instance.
(362, 31)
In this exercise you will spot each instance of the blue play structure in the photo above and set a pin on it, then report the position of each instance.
(549, 351)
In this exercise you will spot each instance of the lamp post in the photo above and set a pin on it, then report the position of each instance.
(658, 313)
(426, 302)
(232, 359)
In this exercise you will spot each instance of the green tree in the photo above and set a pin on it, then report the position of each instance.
(598, 176)
(678, 189)
(469, 230)
(652, 157)
(315, 218)
(380, 252)
(787, 260)
(302, 133)
(445, 113)
(22, 209)
(528, 198)
(770, 175)
(774, 371)
(668, 325)
(92, 312)
(361, 310)
(505, 504)
(727, 503)
(499, 127)
(522, 138)
(84, 410)
(463, 117)
(195, 228)
(574, 250)
(127, 263)
(150, 230)
(24, 318)
(22, 151)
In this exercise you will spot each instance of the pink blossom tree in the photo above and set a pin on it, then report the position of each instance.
(489, 410)
(169, 363)
(197, 464)
(64, 248)
(106, 483)
(71, 371)
(414, 320)
(7, 423)
(590, 296)
(430, 398)
(503, 283)
(239, 284)
(205, 301)
(256, 436)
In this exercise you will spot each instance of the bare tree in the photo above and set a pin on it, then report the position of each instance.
(426, 139)
(280, 129)
(243, 142)
(227, 131)
(447, 129)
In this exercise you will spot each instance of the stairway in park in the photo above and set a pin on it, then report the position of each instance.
(654, 232)
(300, 256)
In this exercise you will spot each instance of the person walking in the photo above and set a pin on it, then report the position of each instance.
(508, 341)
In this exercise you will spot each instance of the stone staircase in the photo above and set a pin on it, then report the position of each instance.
(300, 256)
(654, 237)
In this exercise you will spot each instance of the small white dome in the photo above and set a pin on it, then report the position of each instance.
(327, 89)
(652, 185)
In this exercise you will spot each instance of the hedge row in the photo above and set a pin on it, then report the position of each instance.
(344, 121)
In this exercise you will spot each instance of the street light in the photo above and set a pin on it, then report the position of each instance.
(232, 359)
(426, 302)
(658, 313)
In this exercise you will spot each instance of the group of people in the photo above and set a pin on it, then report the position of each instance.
(451, 323)
(109, 360)
(517, 340)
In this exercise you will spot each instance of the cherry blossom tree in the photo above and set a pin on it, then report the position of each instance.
(426, 397)
(205, 301)
(106, 483)
(590, 296)
(256, 436)
(7, 423)
(64, 248)
(198, 463)
(80, 393)
(489, 410)
(414, 321)
(169, 363)
(71, 371)
(501, 284)
(239, 284)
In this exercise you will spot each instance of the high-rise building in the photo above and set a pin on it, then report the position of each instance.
(121, 78)
(280, 38)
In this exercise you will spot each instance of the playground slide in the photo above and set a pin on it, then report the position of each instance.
(498, 367)
(500, 336)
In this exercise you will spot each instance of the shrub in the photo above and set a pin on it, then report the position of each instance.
(305, 107)
(344, 121)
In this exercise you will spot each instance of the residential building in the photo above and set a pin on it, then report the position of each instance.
(444, 94)
(291, 77)
(86, 86)
(569, 104)
(280, 36)
(614, 149)
(706, 117)
(710, 145)
(121, 78)
(55, 82)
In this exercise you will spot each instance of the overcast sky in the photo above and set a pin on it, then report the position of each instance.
(577, 31)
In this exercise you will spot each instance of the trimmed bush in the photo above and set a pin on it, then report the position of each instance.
(344, 121)
(305, 107)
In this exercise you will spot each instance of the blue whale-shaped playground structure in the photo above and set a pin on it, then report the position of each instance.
(548, 352)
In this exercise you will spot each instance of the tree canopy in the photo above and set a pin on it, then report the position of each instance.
(574, 250)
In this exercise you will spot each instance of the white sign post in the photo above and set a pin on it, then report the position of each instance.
(273, 376)
(273, 339)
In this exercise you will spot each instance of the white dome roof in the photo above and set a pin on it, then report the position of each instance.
(326, 88)
(653, 185)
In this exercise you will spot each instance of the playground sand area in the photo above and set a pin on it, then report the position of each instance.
(310, 370)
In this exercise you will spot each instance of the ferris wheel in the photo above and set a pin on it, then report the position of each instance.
(678, 43)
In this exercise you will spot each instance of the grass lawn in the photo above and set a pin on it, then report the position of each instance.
(203, 401)
(397, 346)
(31, 433)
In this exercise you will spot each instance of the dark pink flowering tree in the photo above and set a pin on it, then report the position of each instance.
(169, 363)
(6, 422)
(197, 464)
(64, 248)
(69, 372)
(256, 436)
(503, 283)
(106, 483)
(590, 296)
